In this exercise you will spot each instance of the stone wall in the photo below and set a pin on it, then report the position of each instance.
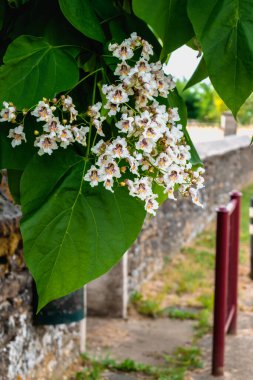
(26, 352)
(229, 165)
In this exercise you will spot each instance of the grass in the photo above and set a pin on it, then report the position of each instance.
(182, 360)
(182, 290)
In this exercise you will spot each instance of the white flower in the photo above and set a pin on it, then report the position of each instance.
(151, 205)
(93, 111)
(147, 50)
(73, 114)
(134, 164)
(43, 111)
(108, 184)
(122, 51)
(144, 144)
(125, 124)
(143, 120)
(103, 159)
(140, 187)
(195, 197)
(117, 95)
(52, 127)
(67, 103)
(8, 113)
(183, 155)
(99, 148)
(93, 176)
(98, 125)
(163, 161)
(110, 169)
(170, 192)
(65, 136)
(17, 135)
(173, 115)
(122, 70)
(114, 108)
(118, 148)
(152, 132)
(173, 175)
(46, 144)
(80, 134)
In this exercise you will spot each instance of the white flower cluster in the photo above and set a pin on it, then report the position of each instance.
(144, 148)
(55, 133)
(150, 148)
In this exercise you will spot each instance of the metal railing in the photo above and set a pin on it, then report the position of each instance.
(226, 279)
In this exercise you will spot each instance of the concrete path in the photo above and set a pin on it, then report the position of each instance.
(239, 353)
(141, 339)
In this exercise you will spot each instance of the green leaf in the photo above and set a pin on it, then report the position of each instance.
(72, 232)
(82, 16)
(159, 191)
(34, 69)
(14, 177)
(225, 31)
(199, 74)
(18, 157)
(168, 19)
(175, 100)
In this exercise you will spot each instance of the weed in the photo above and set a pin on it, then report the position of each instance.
(185, 357)
(179, 313)
(175, 369)
(148, 307)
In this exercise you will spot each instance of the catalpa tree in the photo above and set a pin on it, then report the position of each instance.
(93, 132)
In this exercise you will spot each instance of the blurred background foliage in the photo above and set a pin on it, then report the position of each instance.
(204, 104)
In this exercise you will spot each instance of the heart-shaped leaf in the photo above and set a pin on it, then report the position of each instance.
(34, 69)
(72, 233)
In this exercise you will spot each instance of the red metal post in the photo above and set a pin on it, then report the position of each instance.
(221, 276)
(234, 261)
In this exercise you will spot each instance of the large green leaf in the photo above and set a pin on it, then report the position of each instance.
(81, 15)
(225, 31)
(199, 74)
(175, 100)
(168, 19)
(72, 233)
(34, 69)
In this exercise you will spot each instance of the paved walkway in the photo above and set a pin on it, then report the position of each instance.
(141, 339)
(204, 134)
